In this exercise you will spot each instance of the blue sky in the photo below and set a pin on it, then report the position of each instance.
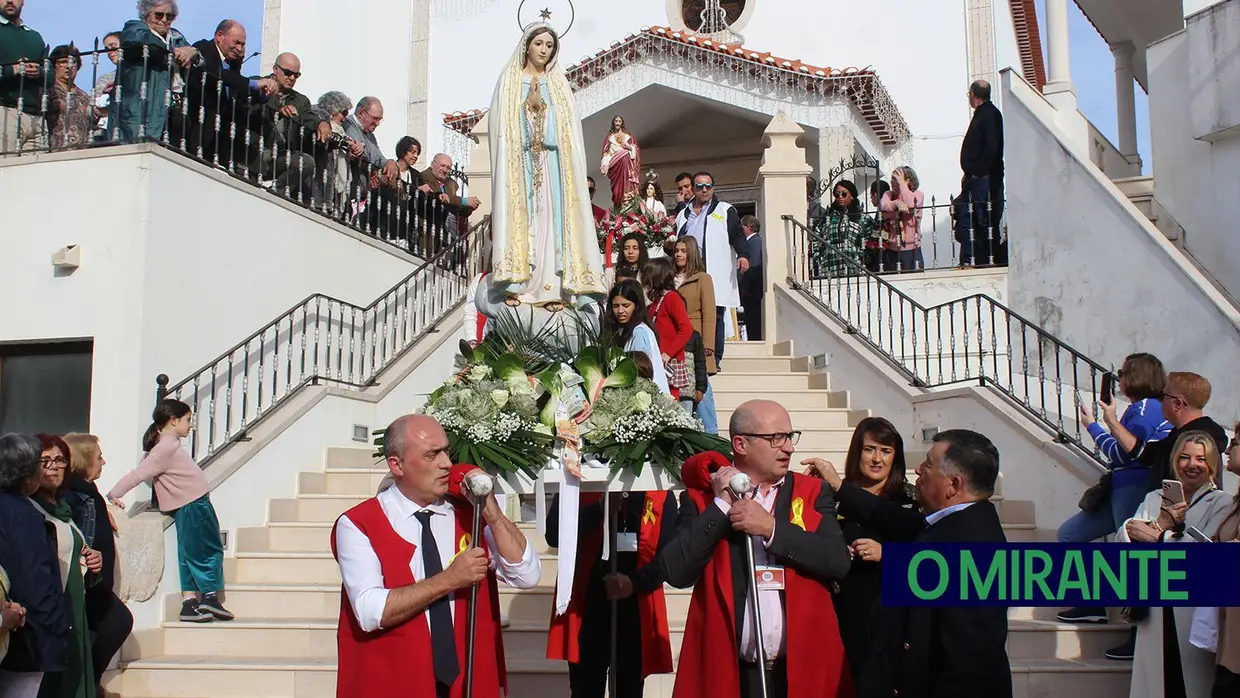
(81, 21)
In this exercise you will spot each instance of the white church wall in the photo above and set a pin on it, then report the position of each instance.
(359, 52)
(149, 225)
(1194, 179)
(1098, 275)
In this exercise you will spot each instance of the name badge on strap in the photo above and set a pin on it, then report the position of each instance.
(769, 578)
(626, 542)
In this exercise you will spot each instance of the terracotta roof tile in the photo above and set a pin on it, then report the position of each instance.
(861, 85)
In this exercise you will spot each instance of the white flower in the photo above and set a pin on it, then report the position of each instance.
(642, 402)
(499, 397)
(479, 373)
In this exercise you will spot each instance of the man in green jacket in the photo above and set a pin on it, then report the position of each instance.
(22, 77)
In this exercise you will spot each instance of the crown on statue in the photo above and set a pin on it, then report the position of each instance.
(544, 17)
(652, 177)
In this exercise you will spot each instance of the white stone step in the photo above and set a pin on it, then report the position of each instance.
(727, 381)
(820, 418)
(209, 676)
(755, 349)
(727, 400)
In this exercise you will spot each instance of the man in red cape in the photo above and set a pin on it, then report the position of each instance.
(646, 522)
(798, 550)
(407, 562)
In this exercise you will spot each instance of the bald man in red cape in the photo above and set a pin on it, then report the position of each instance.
(799, 550)
(646, 523)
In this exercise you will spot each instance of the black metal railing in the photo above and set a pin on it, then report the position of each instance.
(973, 339)
(962, 232)
(315, 155)
(322, 340)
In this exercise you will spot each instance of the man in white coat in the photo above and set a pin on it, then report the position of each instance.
(716, 226)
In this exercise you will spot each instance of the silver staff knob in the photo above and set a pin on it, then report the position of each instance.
(479, 484)
(740, 484)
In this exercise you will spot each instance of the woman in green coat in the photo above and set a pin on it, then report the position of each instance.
(79, 567)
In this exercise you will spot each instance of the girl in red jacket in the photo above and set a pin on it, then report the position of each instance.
(672, 326)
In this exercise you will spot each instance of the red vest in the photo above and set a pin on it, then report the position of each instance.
(709, 659)
(651, 608)
(396, 662)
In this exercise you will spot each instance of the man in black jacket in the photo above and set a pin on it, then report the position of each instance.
(942, 652)
(216, 88)
(980, 204)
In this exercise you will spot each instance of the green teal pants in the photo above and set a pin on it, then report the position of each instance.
(200, 552)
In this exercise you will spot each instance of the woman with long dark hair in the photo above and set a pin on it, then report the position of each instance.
(181, 490)
(627, 322)
(874, 468)
(633, 256)
(845, 230)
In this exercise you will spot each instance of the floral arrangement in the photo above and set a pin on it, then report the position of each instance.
(503, 406)
(655, 230)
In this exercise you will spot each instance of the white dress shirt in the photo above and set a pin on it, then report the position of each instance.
(934, 518)
(770, 602)
(362, 572)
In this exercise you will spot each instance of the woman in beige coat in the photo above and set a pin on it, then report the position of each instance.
(698, 290)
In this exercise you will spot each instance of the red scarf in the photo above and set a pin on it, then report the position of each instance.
(376, 665)
(710, 658)
(651, 607)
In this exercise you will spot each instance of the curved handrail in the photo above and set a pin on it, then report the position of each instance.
(323, 339)
(972, 326)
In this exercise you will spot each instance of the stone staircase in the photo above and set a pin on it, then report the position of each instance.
(284, 587)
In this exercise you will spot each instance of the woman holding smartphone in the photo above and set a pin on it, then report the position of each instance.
(1163, 668)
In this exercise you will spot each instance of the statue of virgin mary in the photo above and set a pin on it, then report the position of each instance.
(545, 246)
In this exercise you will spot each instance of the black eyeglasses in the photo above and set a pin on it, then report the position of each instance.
(290, 73)
(777, 440)
(841, 194)
(161, 16)
(52, 463)
(703, 187)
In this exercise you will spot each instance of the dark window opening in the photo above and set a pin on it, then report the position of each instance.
(45, 388)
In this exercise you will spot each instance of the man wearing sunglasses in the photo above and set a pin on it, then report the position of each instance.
(285, 129)
(799, 551)
(716, 225)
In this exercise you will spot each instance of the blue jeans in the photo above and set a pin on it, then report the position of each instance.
(1084, 526)
(706, 411)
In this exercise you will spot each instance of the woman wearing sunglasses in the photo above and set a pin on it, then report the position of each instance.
(157, 57)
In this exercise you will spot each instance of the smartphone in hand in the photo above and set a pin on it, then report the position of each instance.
(1108, 387)
(1172, 491)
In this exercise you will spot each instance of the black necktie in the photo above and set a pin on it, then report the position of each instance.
(443, 635)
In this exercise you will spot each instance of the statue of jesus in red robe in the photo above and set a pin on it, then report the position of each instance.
(622, 164)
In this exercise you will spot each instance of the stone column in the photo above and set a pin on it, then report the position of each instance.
(781, 180)
(1059, 89)
(479, 168)
(417, 120)
(1125, 103)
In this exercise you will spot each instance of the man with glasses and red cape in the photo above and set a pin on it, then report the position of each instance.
(799, 550)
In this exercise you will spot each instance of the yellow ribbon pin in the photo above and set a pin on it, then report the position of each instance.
(648, 517)
(466, 540)
(798, 508)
